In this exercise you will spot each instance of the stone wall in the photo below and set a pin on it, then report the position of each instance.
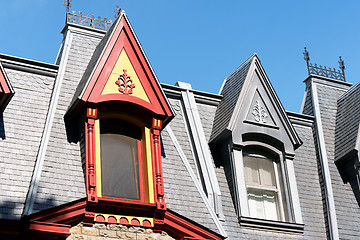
(109, 231)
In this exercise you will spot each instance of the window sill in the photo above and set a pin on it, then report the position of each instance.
(271, 225)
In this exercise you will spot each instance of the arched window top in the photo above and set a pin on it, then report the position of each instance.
(265, 140)
(261, 151)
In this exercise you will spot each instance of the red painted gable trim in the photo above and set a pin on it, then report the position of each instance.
(6, 92)
(123, 38)
(4, 87)
(56, 222)
(47, 230)
(181, 228)
(66, 214)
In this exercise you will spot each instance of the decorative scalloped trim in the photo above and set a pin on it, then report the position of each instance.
(125, 220)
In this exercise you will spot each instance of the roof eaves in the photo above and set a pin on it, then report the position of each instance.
(28, 65)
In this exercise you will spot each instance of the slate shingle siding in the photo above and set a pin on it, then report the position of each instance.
(62, 178)
(179, 128)
(181, 194)
(307, 179)
(348, 224)
(22, 124)
(207, 115)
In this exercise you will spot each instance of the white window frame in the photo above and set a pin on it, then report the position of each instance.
(291, 212)
(277, 190)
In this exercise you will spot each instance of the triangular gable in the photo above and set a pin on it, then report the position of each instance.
(6, 91)
(259, 113)
(122, 73)
(257, 96)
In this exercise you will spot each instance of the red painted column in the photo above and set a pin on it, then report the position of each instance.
(91, 115)
(159, 182)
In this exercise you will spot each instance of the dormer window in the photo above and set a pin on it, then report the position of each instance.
(263, 186)
(125, 109)
(260, 140)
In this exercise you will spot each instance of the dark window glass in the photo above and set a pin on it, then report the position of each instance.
(119, 142)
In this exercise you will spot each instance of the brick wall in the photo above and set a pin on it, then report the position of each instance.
(114, 231)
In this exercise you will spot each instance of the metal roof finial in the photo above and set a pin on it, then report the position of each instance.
(307, 59)
(306, 55)
(342, 66)
(117, 11)
(67, 4)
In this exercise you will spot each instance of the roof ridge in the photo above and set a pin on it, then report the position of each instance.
(349, 92)
(237, 69)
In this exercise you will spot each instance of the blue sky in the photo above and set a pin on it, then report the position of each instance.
(202, 42)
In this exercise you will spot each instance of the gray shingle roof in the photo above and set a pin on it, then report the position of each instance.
(62, 177)
(307, 179)
(69, 174)
(348, 224)
(231, 89)
(176, 182)
(347, 122)
(181, 194)
(21, 127)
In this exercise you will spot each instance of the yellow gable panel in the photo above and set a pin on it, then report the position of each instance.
(124, 66)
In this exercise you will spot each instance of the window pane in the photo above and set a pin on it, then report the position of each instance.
(251, 171)
(267, 174)
(119, 160)
(270, 205)
(263, 204)
(256, 205)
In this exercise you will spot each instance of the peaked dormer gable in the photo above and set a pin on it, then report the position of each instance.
(255, 108)
(119, 72)
(254, 140)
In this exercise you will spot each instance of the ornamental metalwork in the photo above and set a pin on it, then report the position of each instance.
(117, 11)
(125, 83)
(88, 21)
(323, 70)
(67, 4)
(259, 113)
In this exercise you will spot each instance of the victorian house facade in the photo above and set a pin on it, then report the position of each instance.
(95, 147)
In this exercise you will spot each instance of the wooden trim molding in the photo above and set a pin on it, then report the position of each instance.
(159, 181)
(91, 115)
(55, 223)
(182, 228)
(277, 226)
(45, 230)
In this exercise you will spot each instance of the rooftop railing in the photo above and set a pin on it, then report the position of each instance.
(323, 70)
